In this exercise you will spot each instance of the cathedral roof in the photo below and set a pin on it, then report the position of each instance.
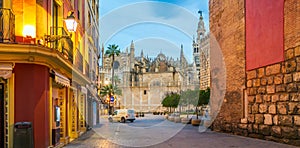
(161, 57)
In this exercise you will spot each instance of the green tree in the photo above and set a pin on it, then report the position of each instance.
(109, 91)
(189, 97)
(171, 100)
(113, 50)
(204, 96)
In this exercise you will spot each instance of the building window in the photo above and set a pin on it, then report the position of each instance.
(145, 92)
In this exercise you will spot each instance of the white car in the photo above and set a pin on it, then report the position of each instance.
(122, 115)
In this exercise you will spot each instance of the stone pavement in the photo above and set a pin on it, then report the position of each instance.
(189, 137)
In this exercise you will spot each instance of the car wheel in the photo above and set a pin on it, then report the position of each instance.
(123, 120)
(110, 119)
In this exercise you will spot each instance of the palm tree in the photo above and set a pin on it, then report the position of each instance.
(109, 90)
(113, 50)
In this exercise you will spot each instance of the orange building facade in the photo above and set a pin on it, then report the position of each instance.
(48, 75)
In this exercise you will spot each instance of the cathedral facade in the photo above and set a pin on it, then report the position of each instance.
(146, 81)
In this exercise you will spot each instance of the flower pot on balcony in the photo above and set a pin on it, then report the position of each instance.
(196, 122)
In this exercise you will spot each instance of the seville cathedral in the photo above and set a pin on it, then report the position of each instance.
(145, 81)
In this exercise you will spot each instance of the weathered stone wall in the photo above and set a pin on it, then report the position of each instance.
(273, 101)
(227, 25)
(272, 108)
(147, 96)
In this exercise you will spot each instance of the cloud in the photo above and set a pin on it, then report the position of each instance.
(126, 16)
(172, 21)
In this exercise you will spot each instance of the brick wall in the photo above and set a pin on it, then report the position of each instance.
(227, 25)
(272, 110)
(291, 23)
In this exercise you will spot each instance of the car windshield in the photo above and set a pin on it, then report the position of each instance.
(130, 111)
(116, 112)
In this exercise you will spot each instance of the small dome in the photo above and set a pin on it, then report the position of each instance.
(161, 57)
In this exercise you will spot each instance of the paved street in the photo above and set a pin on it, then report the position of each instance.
(154, 131)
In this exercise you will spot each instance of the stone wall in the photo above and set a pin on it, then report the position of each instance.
(273, 101)
(270, 106)
(227, 25)
(152, 88)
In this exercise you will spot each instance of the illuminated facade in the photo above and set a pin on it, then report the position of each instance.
(145, 81)
(48, 75)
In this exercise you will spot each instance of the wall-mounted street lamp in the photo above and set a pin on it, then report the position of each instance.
(71, 25)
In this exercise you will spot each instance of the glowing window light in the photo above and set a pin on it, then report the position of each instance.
(29, 31)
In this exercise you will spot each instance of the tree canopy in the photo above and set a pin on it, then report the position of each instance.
(110, 90)
(195, 97)
(113, 50)
(189, 97)
(171, 100)
(204, 97)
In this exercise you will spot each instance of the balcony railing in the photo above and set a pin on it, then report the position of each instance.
(78, 62)
(60, 40)
(7, 25)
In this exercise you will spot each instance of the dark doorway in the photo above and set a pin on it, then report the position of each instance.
(1, 115)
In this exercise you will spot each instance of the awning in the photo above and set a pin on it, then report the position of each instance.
(61, 79)
(6, 70)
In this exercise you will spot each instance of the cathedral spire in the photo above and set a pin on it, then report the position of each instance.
(201, 28)
(131, 45)
(181, 51)
(132, 55)
(142, 53)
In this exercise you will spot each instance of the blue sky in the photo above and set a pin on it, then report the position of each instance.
(154, 25)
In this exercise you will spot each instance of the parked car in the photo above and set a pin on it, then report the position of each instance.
(122, 115)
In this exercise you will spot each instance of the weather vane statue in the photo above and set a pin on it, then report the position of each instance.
(200, 12)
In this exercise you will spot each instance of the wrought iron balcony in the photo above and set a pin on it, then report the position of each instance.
(78, 62)
(60, 40)
(7, 26)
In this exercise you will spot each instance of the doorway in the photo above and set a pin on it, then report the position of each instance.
(1, 115)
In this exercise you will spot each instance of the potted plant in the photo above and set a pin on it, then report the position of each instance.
(203, 99)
